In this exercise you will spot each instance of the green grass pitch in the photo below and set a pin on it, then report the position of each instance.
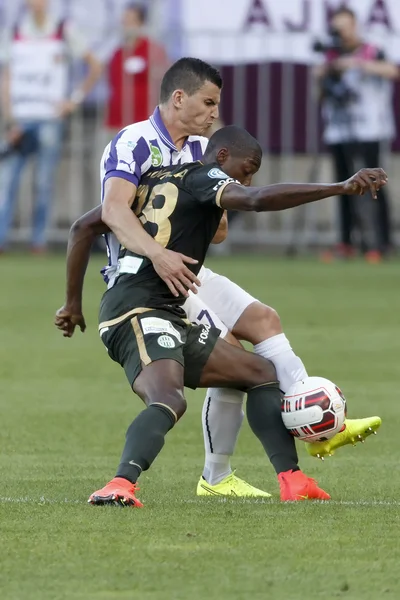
(64, 411)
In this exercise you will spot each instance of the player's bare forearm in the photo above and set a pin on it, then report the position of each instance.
(81, 236)
(130, 232)
(277, 197)
(289, 195)
(118, 215)
(222, 231)
(80, 240)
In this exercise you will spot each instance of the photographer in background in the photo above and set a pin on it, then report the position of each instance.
(356, 94)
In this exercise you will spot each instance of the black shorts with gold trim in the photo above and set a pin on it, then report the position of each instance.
(145, 335)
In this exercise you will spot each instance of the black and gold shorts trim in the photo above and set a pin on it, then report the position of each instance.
(140, 338)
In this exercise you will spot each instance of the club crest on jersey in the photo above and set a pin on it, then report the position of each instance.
(156, 156)
(154, 325)
(166, 341)
(217, 174)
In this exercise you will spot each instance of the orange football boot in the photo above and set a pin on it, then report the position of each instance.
(295, 485)
(119, 492)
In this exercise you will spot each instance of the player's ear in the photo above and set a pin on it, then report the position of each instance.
(222, 156)
(177, 97)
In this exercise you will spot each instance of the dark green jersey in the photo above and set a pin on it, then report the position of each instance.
(180, 208)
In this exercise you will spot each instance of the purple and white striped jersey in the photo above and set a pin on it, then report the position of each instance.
(135, 150)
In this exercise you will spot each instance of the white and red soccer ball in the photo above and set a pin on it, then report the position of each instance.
(314, 409)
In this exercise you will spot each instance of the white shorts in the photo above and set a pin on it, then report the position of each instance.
(219, 301)
(198, 312)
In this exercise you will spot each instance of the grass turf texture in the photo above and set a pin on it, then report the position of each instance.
(65, 409)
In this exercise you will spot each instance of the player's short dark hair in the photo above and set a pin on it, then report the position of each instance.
(188, 74)
(237, 140)
(344, 10)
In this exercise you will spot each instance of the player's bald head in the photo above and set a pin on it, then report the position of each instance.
(189, 75)
(236, 140)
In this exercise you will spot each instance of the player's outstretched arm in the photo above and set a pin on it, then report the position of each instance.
(80, 240)
(288, 195)
(119, 195)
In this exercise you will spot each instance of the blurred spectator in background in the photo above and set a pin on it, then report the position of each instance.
(357, 112)
(134, 72)
(35, 102)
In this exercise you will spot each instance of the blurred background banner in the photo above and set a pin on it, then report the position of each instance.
(249, 31)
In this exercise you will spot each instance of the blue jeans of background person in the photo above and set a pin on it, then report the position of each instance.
(43, 143)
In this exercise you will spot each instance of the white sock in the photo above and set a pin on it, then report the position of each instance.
(222, 418)
(289, 367)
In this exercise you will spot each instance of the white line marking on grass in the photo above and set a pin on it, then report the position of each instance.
(206, 500)
(40, 500)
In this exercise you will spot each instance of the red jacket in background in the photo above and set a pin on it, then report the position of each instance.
(134, 78)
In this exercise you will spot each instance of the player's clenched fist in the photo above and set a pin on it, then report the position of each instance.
(364, 180)
(66, 320)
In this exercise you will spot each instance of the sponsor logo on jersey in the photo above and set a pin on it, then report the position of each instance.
(217, 174)
(166, 341)
(223, 181)
(203, 337)
(131, 145)
(156, 156)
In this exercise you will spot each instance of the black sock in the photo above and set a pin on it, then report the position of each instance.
(144, 441)
(265, 419)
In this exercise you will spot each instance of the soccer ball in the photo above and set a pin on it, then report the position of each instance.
(314, 409)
